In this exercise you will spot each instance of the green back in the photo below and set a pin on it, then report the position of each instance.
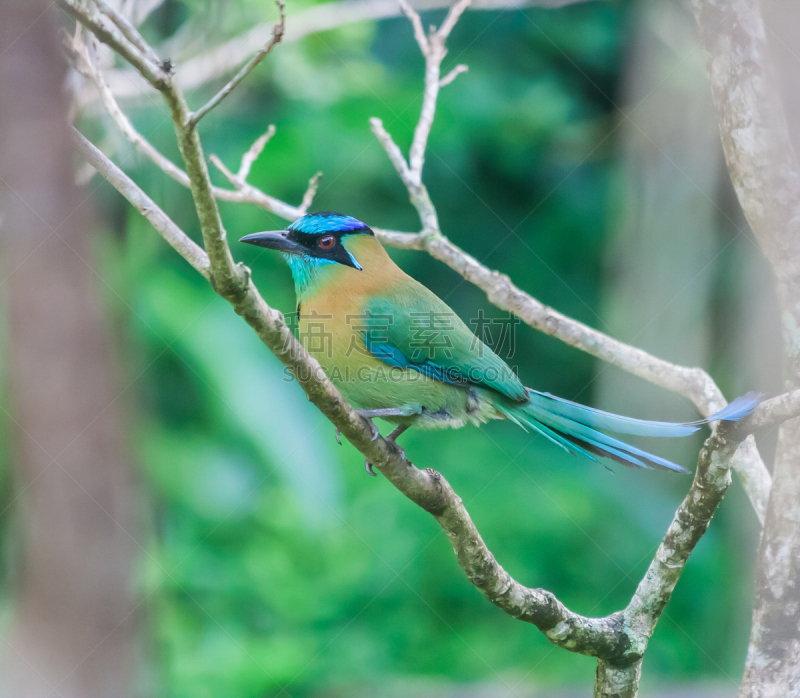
(411, 327)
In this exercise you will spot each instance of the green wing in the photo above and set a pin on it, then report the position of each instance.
(413, 328)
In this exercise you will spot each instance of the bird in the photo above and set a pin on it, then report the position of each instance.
(396, 351)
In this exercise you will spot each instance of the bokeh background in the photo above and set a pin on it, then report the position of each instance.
(579, 155)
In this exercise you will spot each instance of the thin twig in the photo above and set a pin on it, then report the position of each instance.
(226, 57)
(416, 23)
(110, 34)
(129, 31)
(277, 35)
(391, 148)
(166, 227)
(452, 75)
(253, 152)
(308, 197)
(234, 179)
(434, 51)
(247, 194)
(86, 66)
(452, 17)
(416, 189)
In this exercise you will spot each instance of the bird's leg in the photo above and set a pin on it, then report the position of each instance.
(369, 415)
(393, 439)
(385, 412)
(390, 412)
(395, 433)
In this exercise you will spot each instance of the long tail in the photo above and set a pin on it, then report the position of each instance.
(574, 427)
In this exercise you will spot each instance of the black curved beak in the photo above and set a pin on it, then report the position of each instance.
(273, 240)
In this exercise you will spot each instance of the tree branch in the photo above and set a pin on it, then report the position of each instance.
(693, 383)
(226, 57)
(311, 192)
(111, 35)
(244, 194)
(253, 152)
(277, 35)
(765, 172)
(428, 489)
(130, 32)
(164, 225)
(618, 640)
(232, 281)
(769, 413)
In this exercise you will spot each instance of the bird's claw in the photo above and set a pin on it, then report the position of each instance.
(375, 432)
(391, 438)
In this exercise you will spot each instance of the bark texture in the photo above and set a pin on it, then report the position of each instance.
(613, 681)
(72, 634)
(765, 174)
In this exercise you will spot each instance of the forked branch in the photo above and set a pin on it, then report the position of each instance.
(226, 57)
(230, 86)
(618, 640)
(230, 280)
(693, 383)
(426, 488)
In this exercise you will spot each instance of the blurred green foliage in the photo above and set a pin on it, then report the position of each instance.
(274, 565)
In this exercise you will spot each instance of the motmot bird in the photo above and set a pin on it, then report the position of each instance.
(396, 351)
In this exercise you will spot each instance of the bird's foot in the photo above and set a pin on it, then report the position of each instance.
(402, 452)
(368, 415)
(392, 437)
(375, 432)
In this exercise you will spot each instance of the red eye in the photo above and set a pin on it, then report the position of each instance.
(326, 242)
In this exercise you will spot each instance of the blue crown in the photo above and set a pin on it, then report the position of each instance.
(327, 222)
